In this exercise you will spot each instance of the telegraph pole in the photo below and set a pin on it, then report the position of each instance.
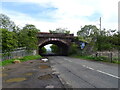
(100, 23)
(99, 45)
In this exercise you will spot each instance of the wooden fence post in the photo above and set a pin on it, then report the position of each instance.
(111, 57)
(96, 54)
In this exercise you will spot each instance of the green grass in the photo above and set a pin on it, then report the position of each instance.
(117, 62)
(104, 59)
(25, 58)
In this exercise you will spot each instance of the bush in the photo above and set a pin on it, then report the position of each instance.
(101, 58)
(73, 49)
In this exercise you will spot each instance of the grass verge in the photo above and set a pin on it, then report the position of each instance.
(25, 58)
(104, 59)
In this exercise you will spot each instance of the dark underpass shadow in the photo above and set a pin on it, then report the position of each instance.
(51, 54)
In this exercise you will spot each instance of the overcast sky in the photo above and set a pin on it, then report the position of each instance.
(71, 14)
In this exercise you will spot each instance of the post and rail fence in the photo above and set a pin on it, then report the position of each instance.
(111, 56)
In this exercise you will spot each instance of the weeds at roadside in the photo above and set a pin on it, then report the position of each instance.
(101, 58)
(25, 58)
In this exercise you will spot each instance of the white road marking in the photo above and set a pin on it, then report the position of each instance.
(96, 70)
(83, 65)
(67, 60)
(108, 74)
(70, 61)
(102, 72)
(87, 67)
(90, 68)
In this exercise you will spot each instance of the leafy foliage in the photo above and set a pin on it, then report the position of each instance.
(13, 37)
(60, 30)
(43, 50)
(6, 23)
(73, 49)
(54, 49)
(105, 42)
(28, 37)
(9, 41)
(99, 39)
(88, 31)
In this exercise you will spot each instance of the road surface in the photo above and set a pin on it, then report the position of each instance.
(79, 73)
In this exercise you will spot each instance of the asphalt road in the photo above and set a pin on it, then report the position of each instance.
(79, 73)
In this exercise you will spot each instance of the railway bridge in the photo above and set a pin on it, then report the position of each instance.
(63, 41)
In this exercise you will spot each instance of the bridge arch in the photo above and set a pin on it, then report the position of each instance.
(62, 45)
(52, 41)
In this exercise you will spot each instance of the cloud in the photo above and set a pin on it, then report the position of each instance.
(71, 14)
(38, 12)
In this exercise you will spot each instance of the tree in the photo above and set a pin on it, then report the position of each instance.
(28, 37)
(98, 39)
(13, 37)
(8, 27)
(88, 34)
(6, 23)
(60, 30)
(9, 41)
(54, 49)
(88, 31)
(73, 49)
(103, 43)
(107, 40)
(43, 50)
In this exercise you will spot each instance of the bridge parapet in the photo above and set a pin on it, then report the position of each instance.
(57, 35)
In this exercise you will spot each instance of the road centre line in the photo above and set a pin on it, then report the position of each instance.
(102, 72)
(67, 60)
(108, 74)
(88, 67)
(96, 70)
